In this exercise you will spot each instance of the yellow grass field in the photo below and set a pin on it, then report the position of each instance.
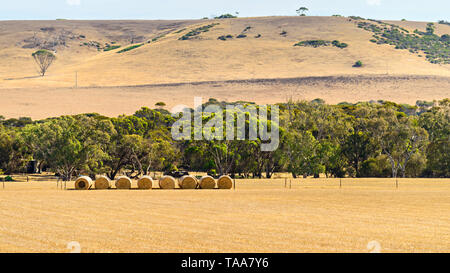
(315, 215)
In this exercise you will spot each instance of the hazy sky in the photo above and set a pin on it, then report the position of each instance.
(430, 10)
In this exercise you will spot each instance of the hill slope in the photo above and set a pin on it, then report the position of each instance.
(266, 52)
(204, 57)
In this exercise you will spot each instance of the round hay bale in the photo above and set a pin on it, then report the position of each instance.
(83, 183)
(225, 182)
(145, 183)
(102, 183)
(188, 182)
(123, 183)
(167, 182)
(207, 182)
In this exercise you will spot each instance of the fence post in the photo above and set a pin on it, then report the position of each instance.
(290, 184)
(234, 184)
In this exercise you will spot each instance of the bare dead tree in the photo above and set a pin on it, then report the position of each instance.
(44, 59)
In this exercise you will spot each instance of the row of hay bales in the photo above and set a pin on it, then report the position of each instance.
(146, 183)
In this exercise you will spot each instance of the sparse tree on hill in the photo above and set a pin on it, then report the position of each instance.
(301, 11)
(44, 59)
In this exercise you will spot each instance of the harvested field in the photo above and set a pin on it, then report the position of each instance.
(315, 215)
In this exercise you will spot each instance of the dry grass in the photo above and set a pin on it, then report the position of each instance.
(259, 216)
(105, 76)
(110, 101)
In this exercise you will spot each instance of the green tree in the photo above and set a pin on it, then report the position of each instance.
(302, 154)
(437, 123)
(12, 151)
(43, 59)
(69, 145)
(302, 10)
(357, 148)
(399, 137)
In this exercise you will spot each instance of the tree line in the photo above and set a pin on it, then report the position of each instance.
(371, 139)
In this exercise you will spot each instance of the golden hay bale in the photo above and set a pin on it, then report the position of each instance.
(188, 182)
(83, 183)
(102, 183)
(167, 182)
(123, 183)
(225, 182)
(207, 182)
(145, 183)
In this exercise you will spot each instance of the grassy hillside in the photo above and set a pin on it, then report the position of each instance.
(251, 59)
(159, 54)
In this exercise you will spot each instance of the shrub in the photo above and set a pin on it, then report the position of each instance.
(258, 36)
(356, 18)
(444, 22)
(436, 48)
(358, 64)
(283, 33)
(416, 165)
(181, 30)
(424, 103)
(430, 28)
(197, 31)
(225, 37)
(130, 48)
(318, 43)
(318, 101)
(111, 48)
(9, 179)
(338, 44)
(225, 16)
(445, 38)
(313, 43)
(158, 37)
(241, 36)
(375, 167)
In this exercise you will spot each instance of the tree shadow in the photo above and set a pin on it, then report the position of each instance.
(22, 78)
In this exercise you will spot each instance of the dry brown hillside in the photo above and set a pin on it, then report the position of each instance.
(235, 69)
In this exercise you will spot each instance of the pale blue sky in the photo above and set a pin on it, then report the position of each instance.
(430, 10)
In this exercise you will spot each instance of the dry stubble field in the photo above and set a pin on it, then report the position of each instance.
(259, 216)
